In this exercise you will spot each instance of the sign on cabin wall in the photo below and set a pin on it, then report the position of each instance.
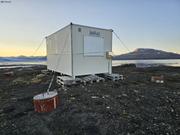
(94, 33)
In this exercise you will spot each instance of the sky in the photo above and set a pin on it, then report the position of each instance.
(139, 23)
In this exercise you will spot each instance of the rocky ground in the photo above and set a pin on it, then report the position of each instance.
(132, 106)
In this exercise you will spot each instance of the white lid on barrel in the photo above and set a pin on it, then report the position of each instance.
(45, 95)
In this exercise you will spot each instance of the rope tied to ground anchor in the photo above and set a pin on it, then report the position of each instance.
(125, 46)
(50, 84)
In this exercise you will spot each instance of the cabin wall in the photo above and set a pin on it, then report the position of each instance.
(90, 62)
(59, 56)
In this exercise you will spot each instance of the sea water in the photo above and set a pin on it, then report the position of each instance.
(141, 63)
(4, 65)
(169, 62)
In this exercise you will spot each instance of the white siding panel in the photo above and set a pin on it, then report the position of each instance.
(59, 56)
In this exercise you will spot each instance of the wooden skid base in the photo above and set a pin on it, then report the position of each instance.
(114, 77)
(92, 79)
(67, 80)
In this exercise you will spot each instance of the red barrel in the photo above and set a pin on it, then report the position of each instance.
(46, 102)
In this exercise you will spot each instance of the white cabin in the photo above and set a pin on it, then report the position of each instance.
(77, 50)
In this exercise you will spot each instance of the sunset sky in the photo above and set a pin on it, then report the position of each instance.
(139, 23)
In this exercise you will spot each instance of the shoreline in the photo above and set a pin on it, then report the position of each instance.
(137, 65)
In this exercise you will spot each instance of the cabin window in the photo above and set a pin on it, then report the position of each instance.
(79, 29)
(93, 46)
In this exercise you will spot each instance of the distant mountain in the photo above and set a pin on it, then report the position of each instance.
(23, 59)
(146, 53)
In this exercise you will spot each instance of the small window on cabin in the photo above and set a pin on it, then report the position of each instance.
(79, 29)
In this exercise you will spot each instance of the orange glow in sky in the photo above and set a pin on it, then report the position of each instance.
(21, 48)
